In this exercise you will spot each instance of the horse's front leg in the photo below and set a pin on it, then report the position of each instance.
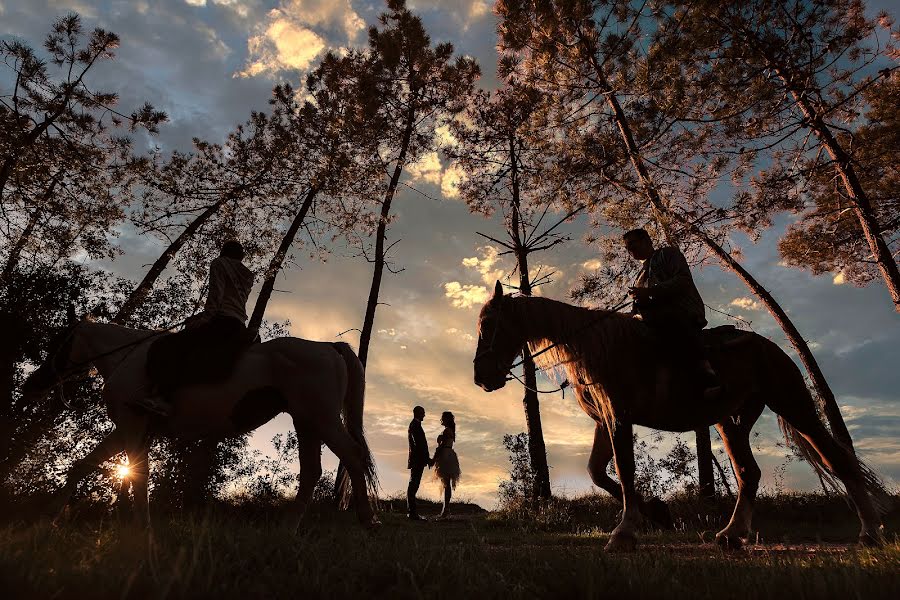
(624, 537)
(111, 445)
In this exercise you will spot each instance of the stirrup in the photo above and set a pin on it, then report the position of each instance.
(152, 404)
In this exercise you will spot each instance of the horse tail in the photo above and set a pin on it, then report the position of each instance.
(352, 412)
(881, 498)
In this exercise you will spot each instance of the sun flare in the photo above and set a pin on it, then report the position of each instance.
(122, 471)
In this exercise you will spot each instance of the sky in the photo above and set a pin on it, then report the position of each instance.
(208, 63)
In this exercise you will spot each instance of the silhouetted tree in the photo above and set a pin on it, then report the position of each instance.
(413, 87)
(503, 161)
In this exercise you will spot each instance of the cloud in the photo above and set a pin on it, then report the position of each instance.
(746, 303)
(427, 168)
(288, 38)
(465, 296)
(283, 45)
(486, 264)
(466, 12)
(450, 180)
(593, 264)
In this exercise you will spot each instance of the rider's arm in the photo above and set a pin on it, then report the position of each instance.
(675, 275)
(216, 286)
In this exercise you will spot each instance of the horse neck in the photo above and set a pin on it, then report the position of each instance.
(543, 319)
(102, 343)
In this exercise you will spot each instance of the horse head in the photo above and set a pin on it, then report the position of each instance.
(499, 341)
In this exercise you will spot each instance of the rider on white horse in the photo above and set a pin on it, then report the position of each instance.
(211, 340)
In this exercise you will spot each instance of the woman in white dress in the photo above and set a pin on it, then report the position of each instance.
(446, 463)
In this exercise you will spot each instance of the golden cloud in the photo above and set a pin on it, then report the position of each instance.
(466, 296)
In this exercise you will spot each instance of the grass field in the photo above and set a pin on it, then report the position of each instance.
(231, 552)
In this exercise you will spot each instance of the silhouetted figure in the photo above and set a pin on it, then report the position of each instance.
(668, 301)
(446, 462)
(419, 458)
(207, 348)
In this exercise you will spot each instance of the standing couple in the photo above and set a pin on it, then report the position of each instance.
(445, 461)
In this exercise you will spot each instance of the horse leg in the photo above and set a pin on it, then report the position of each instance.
(138, 451)
(737, 443)
(310, 450)
(654, 509)
(352, 456)
(837, 460)
(108, 447)
(623, 536)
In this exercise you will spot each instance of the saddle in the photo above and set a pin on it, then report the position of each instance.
(719, 338)
(678, 380)
(201, 354)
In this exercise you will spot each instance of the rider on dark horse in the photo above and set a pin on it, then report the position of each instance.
(667, 300)
(210, 342)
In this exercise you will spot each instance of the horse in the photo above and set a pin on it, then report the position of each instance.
(610, 359)
(317, 383)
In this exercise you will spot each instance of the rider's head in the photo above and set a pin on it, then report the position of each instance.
(419, 413)
(233, 249)
(638, 244)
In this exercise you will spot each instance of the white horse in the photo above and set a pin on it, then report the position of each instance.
(314, 382)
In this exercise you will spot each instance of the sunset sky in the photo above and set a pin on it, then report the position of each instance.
(208, 63)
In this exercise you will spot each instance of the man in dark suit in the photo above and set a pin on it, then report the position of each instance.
(419, 458)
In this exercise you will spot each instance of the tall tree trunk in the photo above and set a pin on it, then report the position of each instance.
(143, 288)
(259, 309)
(369, 321)
(705, 464)
(537, 449)
(831, 409)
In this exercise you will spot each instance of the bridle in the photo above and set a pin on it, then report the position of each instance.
(508, 371)
(490, 349)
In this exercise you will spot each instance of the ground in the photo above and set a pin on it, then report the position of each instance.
(245, 553)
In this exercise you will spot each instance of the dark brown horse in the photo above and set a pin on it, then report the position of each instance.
(610, 359)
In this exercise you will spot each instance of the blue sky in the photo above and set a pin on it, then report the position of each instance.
(209, 63)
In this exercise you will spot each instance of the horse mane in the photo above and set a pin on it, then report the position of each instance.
(585, 345)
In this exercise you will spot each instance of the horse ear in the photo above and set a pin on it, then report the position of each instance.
(71, 317)
(498, 290)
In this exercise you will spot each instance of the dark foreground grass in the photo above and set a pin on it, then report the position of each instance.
(229, 553)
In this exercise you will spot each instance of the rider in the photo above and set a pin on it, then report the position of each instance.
(668, 301)
(209, 340)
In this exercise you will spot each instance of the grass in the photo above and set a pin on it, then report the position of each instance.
(241, 552)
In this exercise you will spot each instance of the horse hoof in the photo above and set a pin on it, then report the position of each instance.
(870, 540)
(730, 543)
(622, 542)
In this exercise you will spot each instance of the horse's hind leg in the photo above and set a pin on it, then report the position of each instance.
(352, 455)
(310, 450)
(138, 451)
(834, 457)
(108, 447)
(601, 453)
(737, 443)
